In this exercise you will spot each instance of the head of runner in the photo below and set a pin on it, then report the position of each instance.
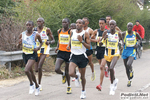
(129, 27)
(79, 25)
(73, 26)
(102, 23)
(112, 24)
(86, 21)
(40, 22)
(108, 18)
(65, 23)
(29, 26)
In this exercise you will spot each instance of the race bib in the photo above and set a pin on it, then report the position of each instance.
(64, 39)
(76, 44)
(112, 42)
(27, 49)
(130, 42)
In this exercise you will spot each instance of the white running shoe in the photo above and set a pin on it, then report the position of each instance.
(77, 81)
(115, 82)
(111, 92)
(83, 95)
(40, 87)
(37, 91)
(31, 89)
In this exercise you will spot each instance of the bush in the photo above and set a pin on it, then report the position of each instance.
(9, 33)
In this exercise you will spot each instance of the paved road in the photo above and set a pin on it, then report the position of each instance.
(53, 89)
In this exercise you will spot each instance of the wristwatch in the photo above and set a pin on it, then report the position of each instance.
(83, 41)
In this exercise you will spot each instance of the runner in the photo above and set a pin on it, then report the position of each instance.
(73, 26)
(108, 18)
(100, 49)
(112, 54)
(129, 51)
(89, 52)
(45, 33)
(63, 54)
(79, 42)
(28, 39)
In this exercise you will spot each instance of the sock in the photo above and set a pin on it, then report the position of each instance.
(63, 73)
(69, 86)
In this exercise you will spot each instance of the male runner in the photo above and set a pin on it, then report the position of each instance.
(112, 53)
(28, 39)
(108, 18)
(89, 52)
(100, 49)
(79, 42)
(129, 51)
(63, 54)
(45, 33)
(73, 25)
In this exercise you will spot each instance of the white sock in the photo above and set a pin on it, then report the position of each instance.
(69, 86)
(63, 73)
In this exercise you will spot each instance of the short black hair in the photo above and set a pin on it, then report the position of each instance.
(109, 16)
(103, 19)
(31, 22)
(67, 20)
(86, 18)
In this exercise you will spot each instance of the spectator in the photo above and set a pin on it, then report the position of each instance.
(139, 29)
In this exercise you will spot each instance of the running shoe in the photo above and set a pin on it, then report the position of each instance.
(131, 74)
(77, 80)
(40, 87)
(31, 89)
(37, 91)
(111, 92)
(69, 90)
(115, 82)
(99, 87)
(83, 95)
(129, 83)
(63, 79)
(93, 76)
(106, 72)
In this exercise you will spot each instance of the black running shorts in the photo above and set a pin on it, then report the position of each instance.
(89, 52)
(80, 60)
(100, 51)
(64, 55)
(26, 57)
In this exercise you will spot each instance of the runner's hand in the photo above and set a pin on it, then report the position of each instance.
(105, 37)
(36, 49)
(68, 48)
(56, 50)
(48, 42)
(79, 38)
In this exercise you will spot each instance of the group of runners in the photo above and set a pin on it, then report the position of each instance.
(75, 50)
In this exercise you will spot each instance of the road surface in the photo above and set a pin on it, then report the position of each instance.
(53, 89)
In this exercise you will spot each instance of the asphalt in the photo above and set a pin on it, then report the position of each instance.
(53, 89)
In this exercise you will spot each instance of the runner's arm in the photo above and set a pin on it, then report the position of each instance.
(57, 42)
(40, 40)
(69, 45)
(50, 34)
(118, 29)
(94, 36)
(87, 42)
